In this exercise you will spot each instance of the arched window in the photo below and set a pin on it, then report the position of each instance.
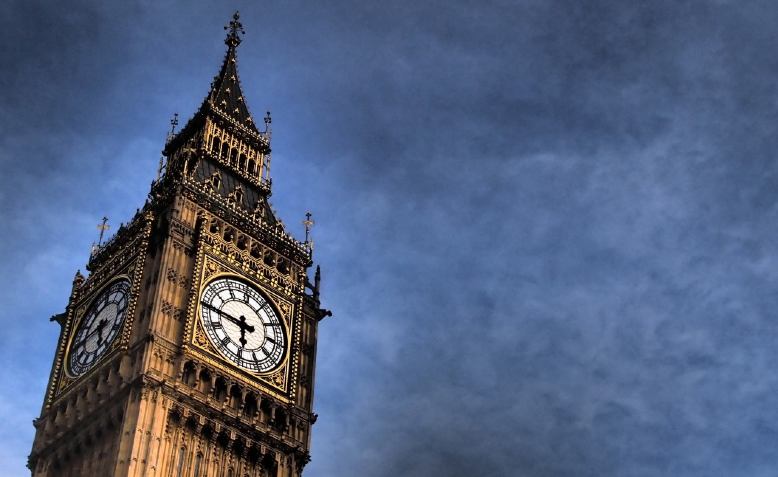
(229, 234)
(280, 421)
(205, 381)
(242, 162)
(191, 164)
(242, 242)
(220, 389)
(234, 157)
(189, 376)
(265, 411)
(236, 397)
(252, 167)
(216, 181)
(225, 151)
(250, 408)
(216, 146)
(283, 266)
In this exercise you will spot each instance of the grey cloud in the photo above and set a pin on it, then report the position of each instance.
(546, 228)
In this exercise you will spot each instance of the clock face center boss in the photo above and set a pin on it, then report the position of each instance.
(243, 325)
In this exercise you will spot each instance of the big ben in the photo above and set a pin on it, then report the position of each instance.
(188, 350)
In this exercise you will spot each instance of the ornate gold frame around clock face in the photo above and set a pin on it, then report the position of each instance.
(81, 313)
(284, 323)
(131, 271)
(210, 265)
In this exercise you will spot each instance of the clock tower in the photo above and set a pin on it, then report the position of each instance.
(189, 349)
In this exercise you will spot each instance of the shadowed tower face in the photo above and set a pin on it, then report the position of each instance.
(189, 349)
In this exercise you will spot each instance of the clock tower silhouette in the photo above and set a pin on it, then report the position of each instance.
(189, 349)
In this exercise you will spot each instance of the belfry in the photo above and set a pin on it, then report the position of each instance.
(189, 349)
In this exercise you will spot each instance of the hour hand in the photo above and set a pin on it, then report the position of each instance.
(100, 327)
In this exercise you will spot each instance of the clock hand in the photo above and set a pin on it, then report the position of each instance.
(100, 327)
(241, 322)
(86, 338)
(219, 312)
(243, 327)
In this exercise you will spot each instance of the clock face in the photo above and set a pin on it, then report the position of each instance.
(99, 327)
(242, 325)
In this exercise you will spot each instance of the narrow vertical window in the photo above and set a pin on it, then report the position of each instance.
(181, 457)
(197, 465)
(225, 151)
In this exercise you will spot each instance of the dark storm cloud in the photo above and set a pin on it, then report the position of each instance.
(546, 228)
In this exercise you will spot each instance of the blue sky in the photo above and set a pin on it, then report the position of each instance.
(547, 229)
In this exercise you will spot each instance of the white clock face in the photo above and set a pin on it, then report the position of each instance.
(99, 327)
(242, 325)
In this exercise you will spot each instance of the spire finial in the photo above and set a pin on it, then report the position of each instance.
(268, 129)
(268, 121)
(308, 223)
(96, 246)
(162, 165)
(235, 29)
(102, 228)
(173, 124)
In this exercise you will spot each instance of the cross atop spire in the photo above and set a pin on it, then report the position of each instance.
(235, 28)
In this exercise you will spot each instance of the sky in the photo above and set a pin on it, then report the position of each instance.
(548, 230)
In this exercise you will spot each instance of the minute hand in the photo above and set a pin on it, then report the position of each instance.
(240, 322)
(83, 340)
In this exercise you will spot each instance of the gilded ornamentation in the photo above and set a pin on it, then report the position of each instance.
(65, 382)
(277, 378)
(286, 308)
(201, 340)
(211, 268)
